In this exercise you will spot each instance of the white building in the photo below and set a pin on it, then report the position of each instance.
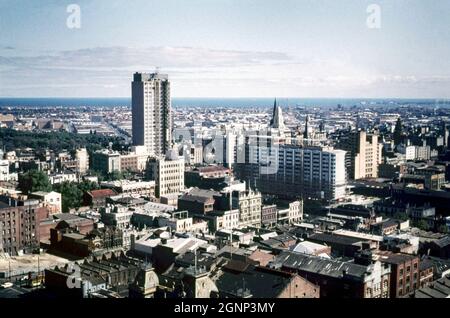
(118, 216)
(136, 160)
(82, 158)
(179, 222)
(423, 152)
(51, 200)
(295, 212)
(106, 161)
(168, 173)
(249, 203)
(225, 220)
(58, 178)
(134, 188)
(5, 174)
(409, 152)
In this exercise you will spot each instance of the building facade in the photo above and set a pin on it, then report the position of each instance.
(151, 108)
(19, 228)
(364, 154)
(294, 171)
(168, 173)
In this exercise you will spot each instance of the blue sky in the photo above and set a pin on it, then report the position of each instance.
(227, 48)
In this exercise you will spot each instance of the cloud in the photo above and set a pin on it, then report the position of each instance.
(107, 71)
(107, 58)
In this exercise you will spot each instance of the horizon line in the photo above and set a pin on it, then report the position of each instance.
(219, 97)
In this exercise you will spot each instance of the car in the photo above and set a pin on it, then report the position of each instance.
(6, 285)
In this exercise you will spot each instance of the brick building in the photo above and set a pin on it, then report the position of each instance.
(404, 272)
(97, 198)
(19, 228)
(338, 279)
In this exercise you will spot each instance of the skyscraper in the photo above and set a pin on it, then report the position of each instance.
(151, 107)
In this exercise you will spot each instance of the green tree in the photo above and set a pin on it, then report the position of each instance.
(33, 181)
(443, 229)
(72, 193)
(113, 176)
(70, 196)
(423, 225)
(401, 216)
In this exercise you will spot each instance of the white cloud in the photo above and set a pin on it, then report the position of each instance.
(107, 71)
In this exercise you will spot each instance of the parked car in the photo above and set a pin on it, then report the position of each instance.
(6, 285)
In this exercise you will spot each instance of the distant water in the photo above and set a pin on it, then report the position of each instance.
(213, 102)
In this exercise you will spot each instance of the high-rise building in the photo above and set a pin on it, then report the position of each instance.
(364, 154)
(168, 173)
(151, 108)
(293, 171)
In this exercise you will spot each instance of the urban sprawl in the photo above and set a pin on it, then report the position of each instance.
(214, 202)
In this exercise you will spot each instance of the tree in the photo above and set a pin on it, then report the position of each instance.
(34, 181)
(72, 193)
(113, 176)
(70, 196)
(401, 216)
(443, 229)
(423, 225)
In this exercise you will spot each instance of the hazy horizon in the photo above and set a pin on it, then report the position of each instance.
(243, 48)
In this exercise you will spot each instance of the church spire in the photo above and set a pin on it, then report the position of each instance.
(277, 117)
(306, 133)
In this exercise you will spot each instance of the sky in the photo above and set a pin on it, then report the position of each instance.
(227, 48)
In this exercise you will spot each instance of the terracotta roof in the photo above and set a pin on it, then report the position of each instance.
(103, 193)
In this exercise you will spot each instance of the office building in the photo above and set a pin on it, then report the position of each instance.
(168, 173)
(293, 172)
(364, 154)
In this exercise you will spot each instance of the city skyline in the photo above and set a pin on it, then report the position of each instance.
(317, 49)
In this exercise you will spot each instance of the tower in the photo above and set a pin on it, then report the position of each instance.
(151, 111)
(277, 121)
(306, 132)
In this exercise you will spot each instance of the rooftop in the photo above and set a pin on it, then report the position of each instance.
(319, 265)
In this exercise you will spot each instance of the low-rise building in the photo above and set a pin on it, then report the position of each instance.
(404, 272)
(51, 200)
(261, 282)
(338, 279)
(132, 188)
(98, 198)
(106, 161)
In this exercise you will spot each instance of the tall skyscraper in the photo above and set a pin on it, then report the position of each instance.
(151, 107)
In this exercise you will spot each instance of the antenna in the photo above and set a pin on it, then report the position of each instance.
(157, 69)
